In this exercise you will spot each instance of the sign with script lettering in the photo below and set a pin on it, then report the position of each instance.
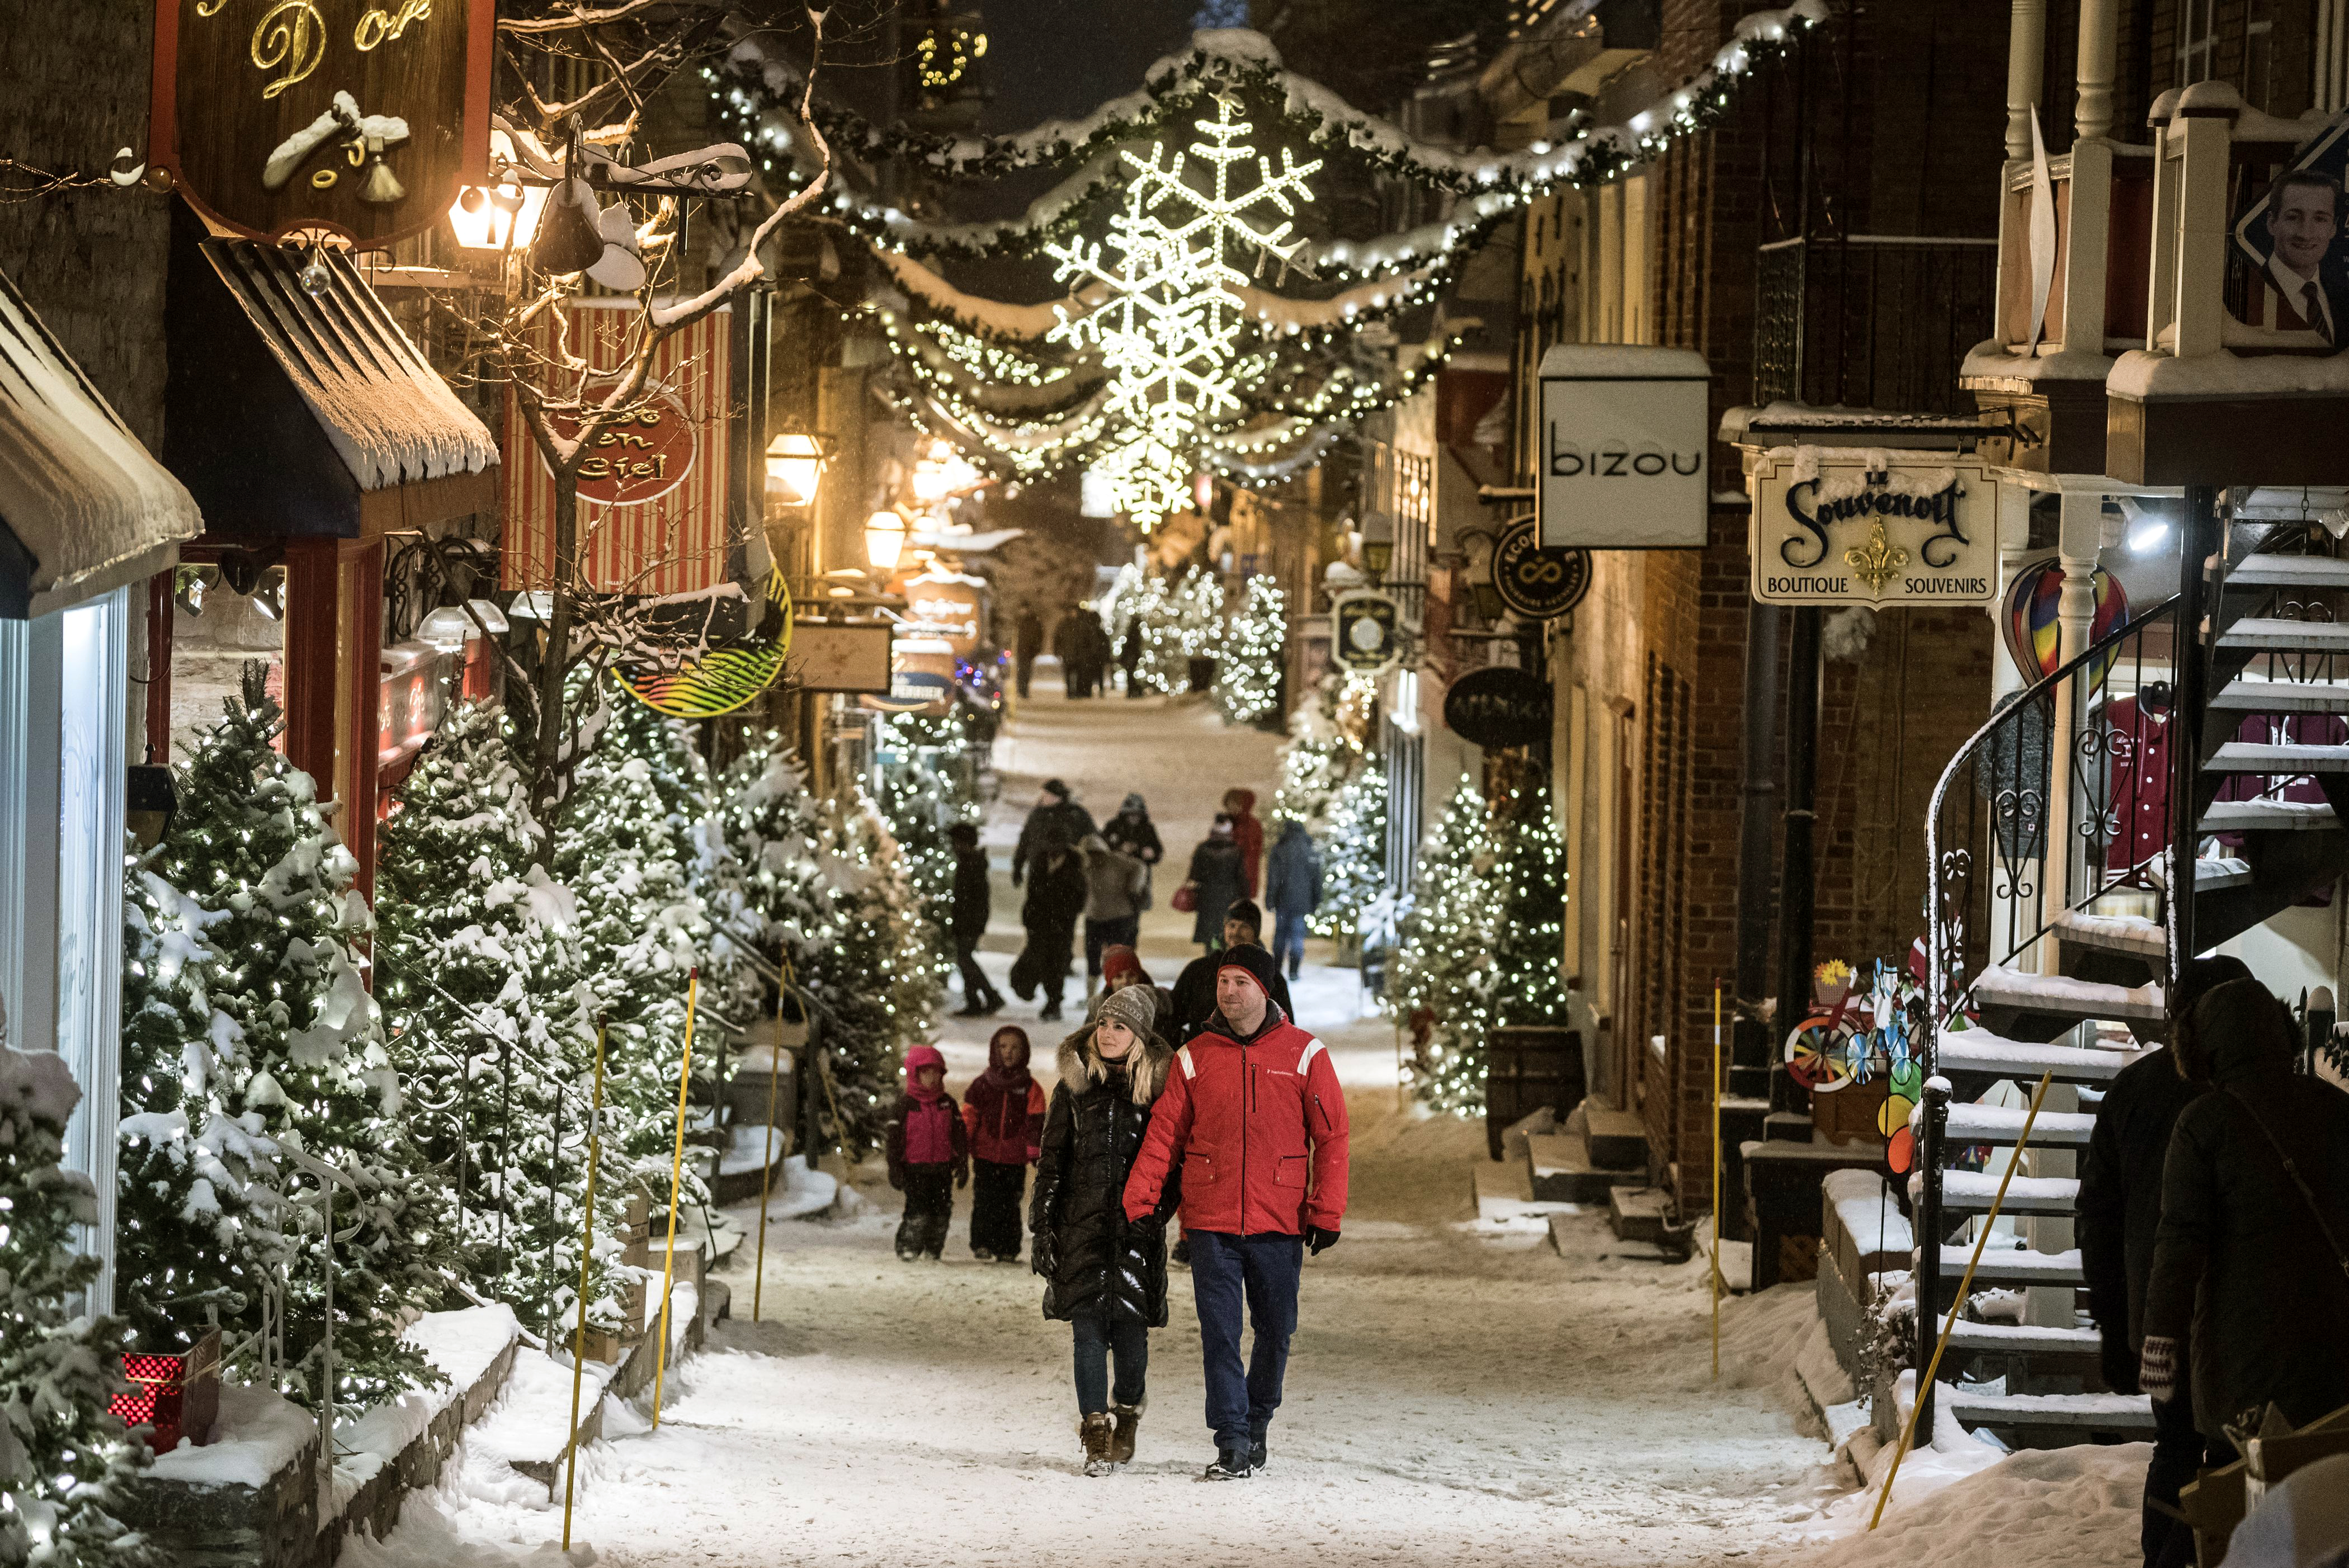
(1844, 526)
(653, 515)
(1623, 447)
(359, 116)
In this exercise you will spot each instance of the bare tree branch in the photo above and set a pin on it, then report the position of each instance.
(583, 17)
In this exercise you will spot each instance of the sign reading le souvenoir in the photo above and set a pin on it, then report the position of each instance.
(1844, 526)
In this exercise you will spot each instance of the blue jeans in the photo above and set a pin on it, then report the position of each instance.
(1096, 1343)
(1261, 1272)
(1289, 941)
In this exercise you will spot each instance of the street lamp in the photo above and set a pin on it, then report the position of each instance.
(885, 540)
(794, 469)
(1378, 544)
(493, 217)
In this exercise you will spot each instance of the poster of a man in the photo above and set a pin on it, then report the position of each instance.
(2290, 240)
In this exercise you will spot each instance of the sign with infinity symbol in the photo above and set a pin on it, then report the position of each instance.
(1537, 581)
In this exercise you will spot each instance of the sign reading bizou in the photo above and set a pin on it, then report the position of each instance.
(1624, 439)
(1847, 526)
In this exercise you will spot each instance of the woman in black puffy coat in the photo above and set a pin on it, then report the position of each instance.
(1105, 1277)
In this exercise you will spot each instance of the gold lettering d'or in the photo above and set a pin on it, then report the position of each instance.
(378, 26)
(291, 38)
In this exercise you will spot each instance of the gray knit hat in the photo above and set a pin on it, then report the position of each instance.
(1135, 1007)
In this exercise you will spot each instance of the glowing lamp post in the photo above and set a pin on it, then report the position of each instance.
(885, 540)
(794, 469)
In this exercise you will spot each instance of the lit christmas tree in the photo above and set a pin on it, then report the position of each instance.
(281, 968)
(1353, 852)
(1319, 755)
(879, 973)
(1254, 648)
(492, 1026)
(922, 798)
(65, 1459)
(1481, 947)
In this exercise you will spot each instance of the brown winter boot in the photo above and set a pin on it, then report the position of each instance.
(1096, 1431)
(1121, 1444)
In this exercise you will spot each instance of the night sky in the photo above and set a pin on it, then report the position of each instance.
(1049, 59)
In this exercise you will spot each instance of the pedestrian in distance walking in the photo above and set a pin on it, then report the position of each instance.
(1193, 996)
(1113, 885)
(2120, 1214)
(1214, 882)
(1292, 891)
(1003, 1110)
(1132, 832)
(1129, 659)
(974, 904)
(1027, 644)
(1121, 968)
(1255, 1123)
(1074, 650)
(929, 1155)
(1247, 832)
(1105, 1269)
(2251, 1260)
(1055, 903)
(1054, 821)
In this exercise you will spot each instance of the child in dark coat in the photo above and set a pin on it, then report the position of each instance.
(1104, 1275)
(1004, 1110)
(929, 1154)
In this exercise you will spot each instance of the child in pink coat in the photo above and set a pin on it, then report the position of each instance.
(929, 1154)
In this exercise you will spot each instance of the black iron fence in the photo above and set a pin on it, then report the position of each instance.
(1870, 321)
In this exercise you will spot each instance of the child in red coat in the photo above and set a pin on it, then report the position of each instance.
(1004, 1113)
(929, 1154)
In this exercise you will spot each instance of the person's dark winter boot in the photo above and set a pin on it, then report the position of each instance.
(1129, 1420)
(1051, 1013)
(1099, 1433)
(1231, 1464)
(1256, 1451)
(982, 1254)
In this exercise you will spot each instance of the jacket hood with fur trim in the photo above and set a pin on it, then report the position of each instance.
(1081, 1066)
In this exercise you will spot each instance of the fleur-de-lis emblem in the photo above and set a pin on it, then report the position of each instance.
(1878, 561)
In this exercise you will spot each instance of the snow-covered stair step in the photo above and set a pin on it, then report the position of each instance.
(2286, 636)
(2254, 816)
(1999, 987)
(2131, 934)
(2219, 875)
(2247, 757)
(1972, 1191)
(2249, 694)
(2087, 1412)
(2023, 1339)
(1979, 1052)
(2012, 1267)
(2001, 1124)
(2288, 572)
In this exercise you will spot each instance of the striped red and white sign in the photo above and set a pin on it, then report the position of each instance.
(652, 497)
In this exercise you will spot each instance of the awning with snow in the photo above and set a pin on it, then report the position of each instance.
(83, 507)
(295, 414)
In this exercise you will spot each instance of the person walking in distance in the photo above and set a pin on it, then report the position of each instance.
(928, 1152)
(1214, 884)
(1193, 996)
(1055, 902)
(973, 904)
(1105, 1273)
(1129, 659)
(1054, 821)
(1113, 885)
(1132, 832)
(1071, 647)
(1003, 1110)
(1247, 832)
(1027, 644)
(1292, 891)
(1255, 1123)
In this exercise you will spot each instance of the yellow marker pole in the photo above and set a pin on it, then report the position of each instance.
(1716, 1181)
(586, 1252)
(676, 1175)
(775, 1065)
(1908, 1434)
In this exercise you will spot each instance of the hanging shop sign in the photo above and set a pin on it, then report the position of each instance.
(921, 678)
(1623, 446)
(1497, 707)
(948, 608)
(362, 118)
(1535, 580)
(841, 656)
(1846, 526)
(1365, 632)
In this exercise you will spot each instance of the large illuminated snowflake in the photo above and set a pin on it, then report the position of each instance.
(1170, 330)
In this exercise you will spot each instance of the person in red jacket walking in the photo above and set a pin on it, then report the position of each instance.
(1253, 1115)
(1004, 1111)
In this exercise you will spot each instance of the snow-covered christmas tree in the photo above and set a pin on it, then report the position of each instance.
(1254, 648)
(1353, 852)
(281, 971)
(880, 973)
(1323, 750)
(65, 1459)
(492, 1025)
(922, 796)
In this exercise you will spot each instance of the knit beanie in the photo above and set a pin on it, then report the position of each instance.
(1252, 960)
(1120, 962)
(1136, 1007)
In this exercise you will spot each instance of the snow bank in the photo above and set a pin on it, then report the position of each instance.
(2052, 1508)
(259, 1434)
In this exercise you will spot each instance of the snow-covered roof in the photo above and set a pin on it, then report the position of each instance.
(384, 409)
(82, 496)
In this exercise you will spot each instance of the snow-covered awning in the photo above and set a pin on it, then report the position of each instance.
(83, 507)
(295, 412)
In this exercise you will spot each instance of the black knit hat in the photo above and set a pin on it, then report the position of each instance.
(1054, 787)
(1254, 962)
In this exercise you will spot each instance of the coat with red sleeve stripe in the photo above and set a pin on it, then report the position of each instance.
(1258, 1132)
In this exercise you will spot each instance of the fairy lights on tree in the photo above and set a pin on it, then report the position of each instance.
(1171, 329)
(1248, 676)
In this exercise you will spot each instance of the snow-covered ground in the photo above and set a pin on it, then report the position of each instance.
(1457, 1395)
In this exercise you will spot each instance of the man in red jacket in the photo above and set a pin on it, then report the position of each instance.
(1254, 1112)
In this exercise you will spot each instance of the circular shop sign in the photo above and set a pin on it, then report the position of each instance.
(1537, 581)
(639, 459)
